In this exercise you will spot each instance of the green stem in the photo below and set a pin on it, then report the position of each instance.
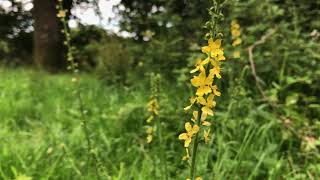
(162, 154)
(87, 136)
(195, 148)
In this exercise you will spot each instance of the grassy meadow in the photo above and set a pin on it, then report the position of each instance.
(159, 90)
(41, 133)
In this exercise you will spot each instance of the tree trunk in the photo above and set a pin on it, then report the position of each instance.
(49, 53)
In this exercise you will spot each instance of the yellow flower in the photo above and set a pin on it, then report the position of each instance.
(149, 130)
(61, 14)
(215, 90)
(236, 54)
(214, 49)
(195, 116)
(203, 118)
(203, 83)
(153, 106)
(199, 65)
(192, 101)
(187, 137)
(216, 71)
(236, 42)
(149, 138)
(206, 136)
(235, 32)
(208, 104)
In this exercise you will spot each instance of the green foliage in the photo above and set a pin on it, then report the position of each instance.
(41, 134)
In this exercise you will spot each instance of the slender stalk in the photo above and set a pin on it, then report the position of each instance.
(87, 136)
(162, 154)
(195, 148)
(73, 67)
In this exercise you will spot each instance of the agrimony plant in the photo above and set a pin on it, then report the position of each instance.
(154, 125)
(203, 102)
(236, 39)
(73, 67)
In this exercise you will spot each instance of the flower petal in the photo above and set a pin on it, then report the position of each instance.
(183, 136)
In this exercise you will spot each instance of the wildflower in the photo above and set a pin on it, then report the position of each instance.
(213, 48)
(235, 33)
(192, 101)
(203, 83)
(236, 42)
(206, 89)
(199, 65)
(187, 137)
(216, 71)
(206, 136)
(61, 14)
(149, 138)
(153, 106)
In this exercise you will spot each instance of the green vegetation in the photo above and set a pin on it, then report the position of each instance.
(119, 113)
(41, 133)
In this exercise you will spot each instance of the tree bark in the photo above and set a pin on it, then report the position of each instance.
(49, 53)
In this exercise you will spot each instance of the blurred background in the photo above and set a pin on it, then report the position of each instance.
(266, 124)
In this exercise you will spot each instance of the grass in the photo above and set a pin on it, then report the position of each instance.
(41, 133)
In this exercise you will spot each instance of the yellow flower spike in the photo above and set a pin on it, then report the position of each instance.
(205, 90)
(206, 136)
(235, 32)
